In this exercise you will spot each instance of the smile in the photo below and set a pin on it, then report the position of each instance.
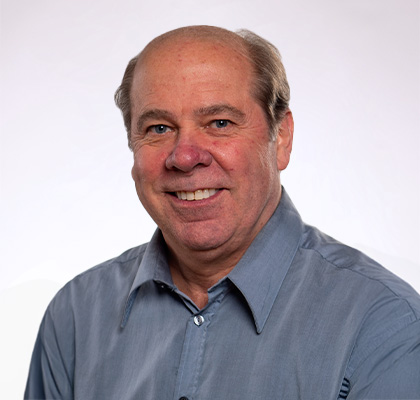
(197, 195)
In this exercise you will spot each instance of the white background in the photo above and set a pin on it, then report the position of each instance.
(67, 199)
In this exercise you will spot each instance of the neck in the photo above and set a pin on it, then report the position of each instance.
(194, 274)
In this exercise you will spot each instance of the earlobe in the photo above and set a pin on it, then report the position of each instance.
(285, 141)
(133, 173)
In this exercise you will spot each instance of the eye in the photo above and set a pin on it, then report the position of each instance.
(221, 123)
(159, 129)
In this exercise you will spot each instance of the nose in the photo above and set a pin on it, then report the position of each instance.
(187, 155)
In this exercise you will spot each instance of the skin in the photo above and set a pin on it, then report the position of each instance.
(195, 125)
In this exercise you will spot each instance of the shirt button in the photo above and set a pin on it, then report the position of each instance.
(198, 320)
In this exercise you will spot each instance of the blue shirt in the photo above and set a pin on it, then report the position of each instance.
(301, 316)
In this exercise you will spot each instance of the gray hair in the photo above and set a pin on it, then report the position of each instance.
(271, 88)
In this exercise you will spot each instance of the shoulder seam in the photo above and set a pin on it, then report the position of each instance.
(365, 276)
(141, 250)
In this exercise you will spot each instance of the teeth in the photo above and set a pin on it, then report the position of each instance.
(197, 195)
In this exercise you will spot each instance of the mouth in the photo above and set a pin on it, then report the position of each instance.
(197, 195)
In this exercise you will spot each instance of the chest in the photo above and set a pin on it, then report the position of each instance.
(168, 352)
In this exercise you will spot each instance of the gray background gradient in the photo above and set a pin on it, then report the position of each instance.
(67, 198)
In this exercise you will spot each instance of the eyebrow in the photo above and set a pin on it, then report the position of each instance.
(154, 114)
(218, 109)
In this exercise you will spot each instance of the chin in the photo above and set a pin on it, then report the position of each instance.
(201, 244)
(198, 240)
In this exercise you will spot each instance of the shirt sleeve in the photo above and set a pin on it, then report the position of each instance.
(392, 371)
(50, 373)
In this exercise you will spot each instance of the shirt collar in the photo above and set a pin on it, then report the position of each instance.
(258, 275)
(261, 271)
(153, 266)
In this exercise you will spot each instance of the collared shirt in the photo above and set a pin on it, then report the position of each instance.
(301, 316)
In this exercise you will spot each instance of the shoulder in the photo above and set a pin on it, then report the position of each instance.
(125, 264)
(92, 289)
(361, 276)
(384, 311)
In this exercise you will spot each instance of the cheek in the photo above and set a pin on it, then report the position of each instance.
(148, 165)
(231, 155)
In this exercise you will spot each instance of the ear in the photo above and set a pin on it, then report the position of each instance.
(284, 141)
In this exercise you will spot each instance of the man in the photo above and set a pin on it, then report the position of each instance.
(234, 297)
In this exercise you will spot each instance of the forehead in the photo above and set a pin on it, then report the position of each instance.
(185, 59)
(196, 40)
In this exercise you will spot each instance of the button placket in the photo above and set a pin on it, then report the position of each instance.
(192, 356)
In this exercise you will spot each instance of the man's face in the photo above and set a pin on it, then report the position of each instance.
(205, 168)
